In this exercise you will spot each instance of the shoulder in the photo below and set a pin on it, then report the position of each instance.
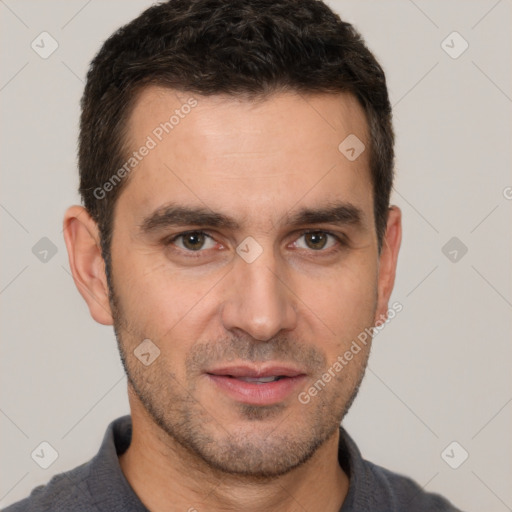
(402, 493)
(100, 481)
(66, 491)
(373, 488)
(94, 485)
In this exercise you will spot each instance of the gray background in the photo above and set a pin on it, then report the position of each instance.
(439, 372)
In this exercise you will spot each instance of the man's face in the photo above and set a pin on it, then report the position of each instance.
(258, 296)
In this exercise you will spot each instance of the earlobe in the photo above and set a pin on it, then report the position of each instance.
(82, 239)
(388, 260)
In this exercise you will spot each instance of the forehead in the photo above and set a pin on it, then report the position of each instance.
(255, 157)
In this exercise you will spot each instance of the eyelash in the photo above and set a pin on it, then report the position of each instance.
(194, 254)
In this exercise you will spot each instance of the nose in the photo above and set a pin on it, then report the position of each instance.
(259, 300)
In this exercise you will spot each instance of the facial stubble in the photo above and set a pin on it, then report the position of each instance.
(268, 441)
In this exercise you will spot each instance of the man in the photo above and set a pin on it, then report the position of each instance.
(236, 162)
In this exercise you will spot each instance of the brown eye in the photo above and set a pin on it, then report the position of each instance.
(193, 241)
(317, 240)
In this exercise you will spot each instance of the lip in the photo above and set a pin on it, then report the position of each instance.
(227, 379)
(257, 371)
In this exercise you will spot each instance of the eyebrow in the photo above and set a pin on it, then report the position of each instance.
(175, 215)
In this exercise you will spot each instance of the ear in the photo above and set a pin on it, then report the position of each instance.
(388, 260)
(82, 239)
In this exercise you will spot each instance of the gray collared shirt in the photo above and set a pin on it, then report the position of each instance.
(99, 485)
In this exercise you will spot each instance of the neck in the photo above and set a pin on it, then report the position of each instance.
(167, 477)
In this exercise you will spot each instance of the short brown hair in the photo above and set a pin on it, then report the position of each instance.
(236, 47)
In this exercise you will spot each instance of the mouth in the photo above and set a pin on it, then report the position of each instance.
(265, 385)
(259, 380)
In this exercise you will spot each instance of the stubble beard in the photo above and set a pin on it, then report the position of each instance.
(269, 441)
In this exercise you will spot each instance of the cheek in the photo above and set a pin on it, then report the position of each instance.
(345, 300)
(347, 305)
(157, 303)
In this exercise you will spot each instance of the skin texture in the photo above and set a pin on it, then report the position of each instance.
(301, 302)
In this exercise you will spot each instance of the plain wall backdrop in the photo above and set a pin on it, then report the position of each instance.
(438, 373)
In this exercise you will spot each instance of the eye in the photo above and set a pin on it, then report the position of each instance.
(318, 240)
(192, 241)
(199, 241)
